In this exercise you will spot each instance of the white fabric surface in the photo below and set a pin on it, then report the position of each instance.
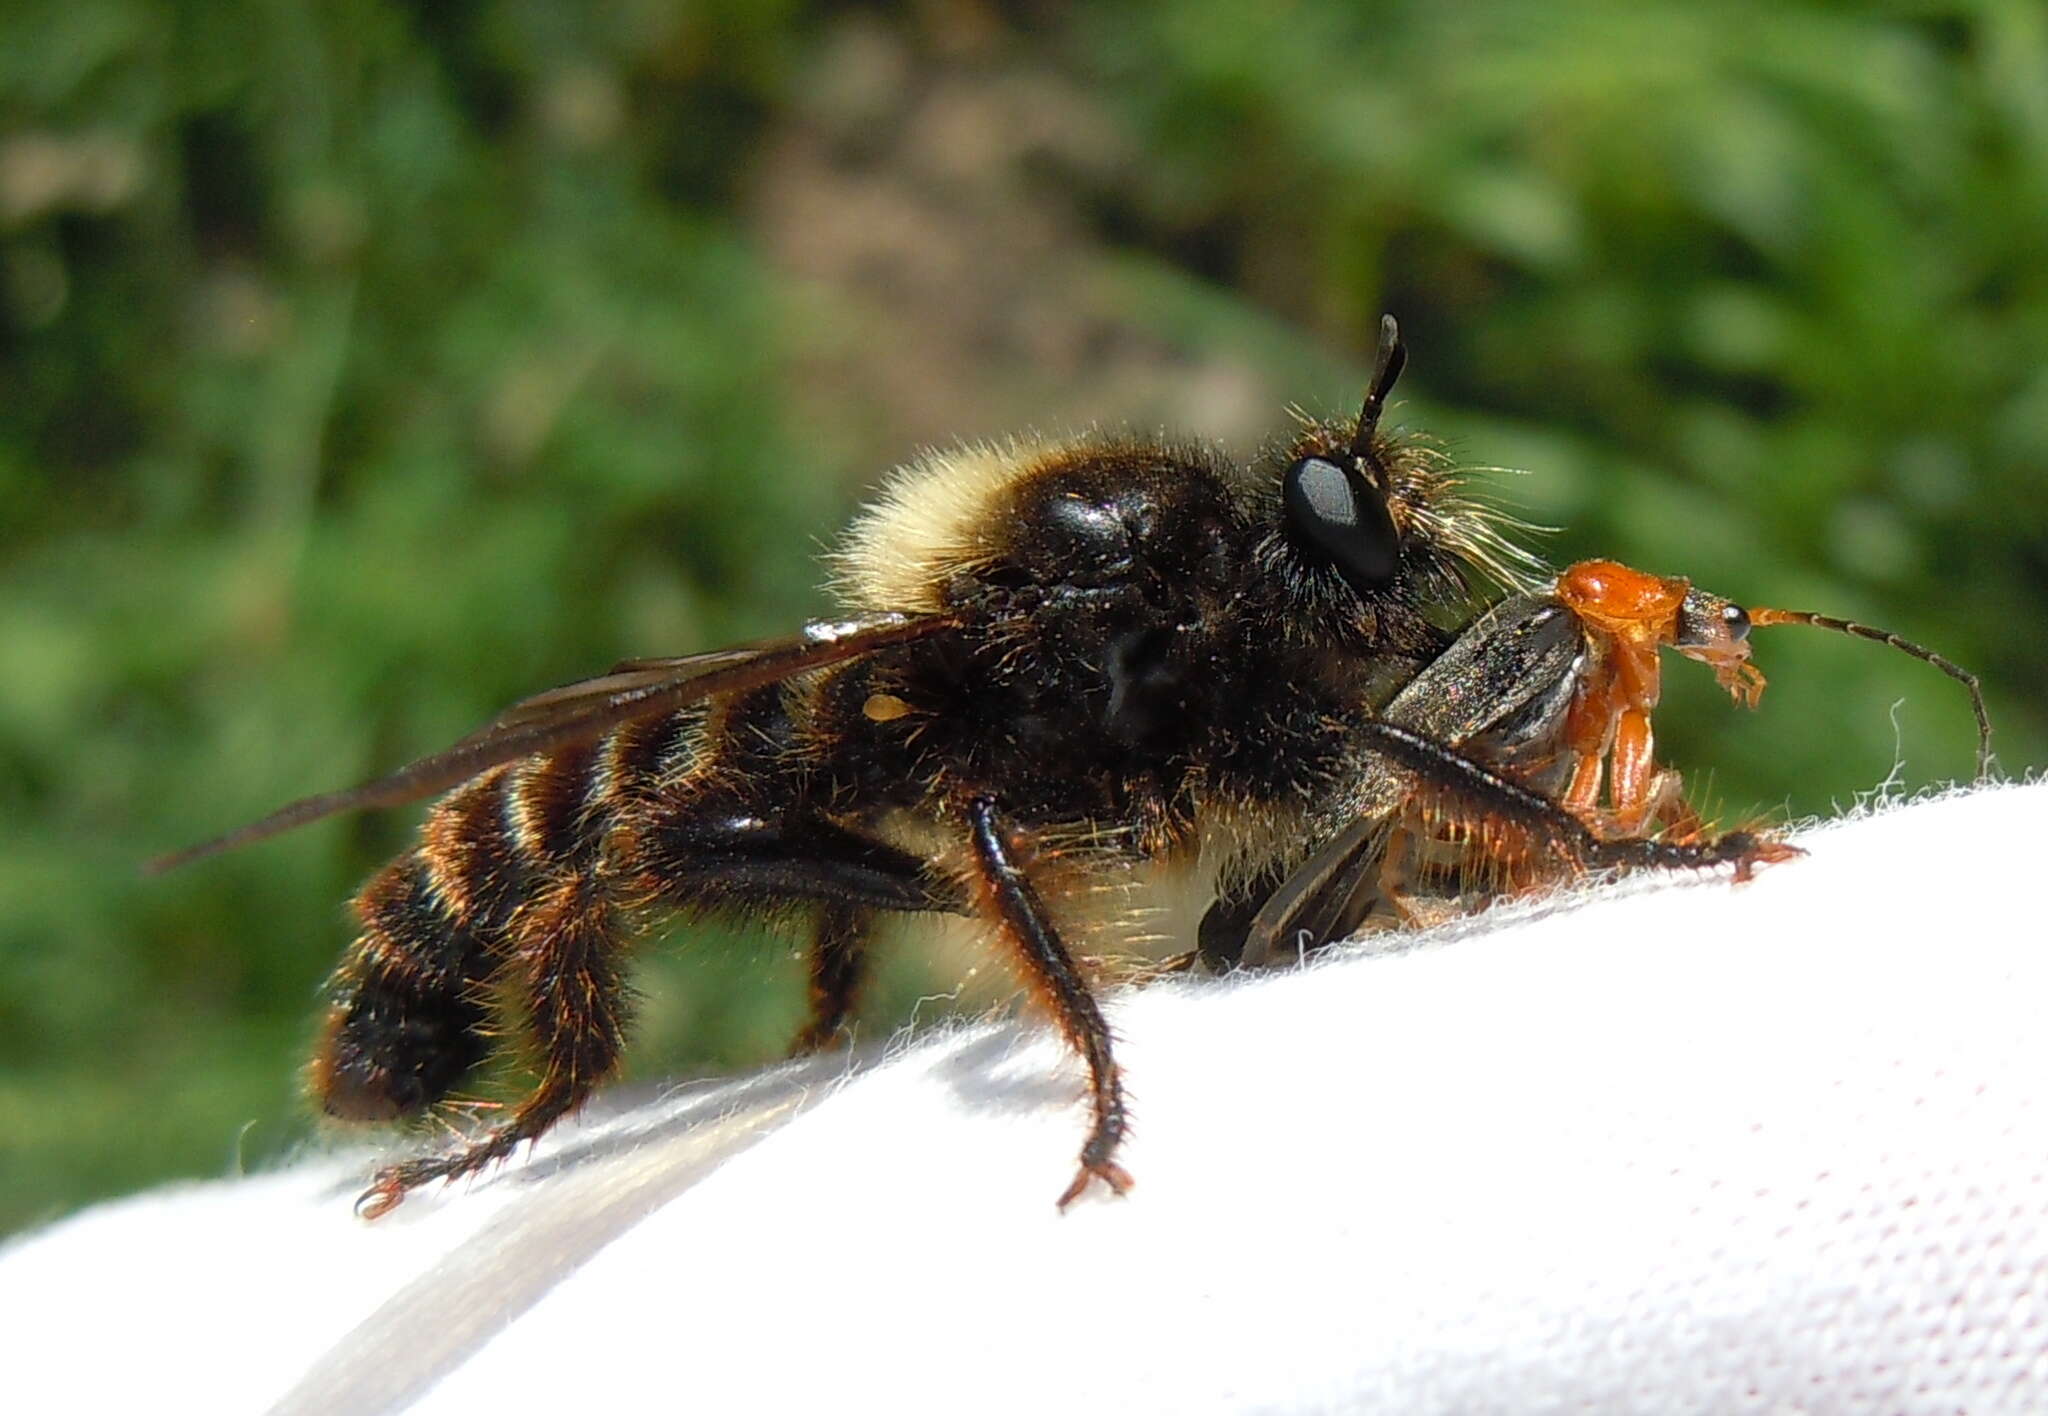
(1678, 1146)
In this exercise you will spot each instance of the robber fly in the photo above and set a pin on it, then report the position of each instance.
(1056, 663)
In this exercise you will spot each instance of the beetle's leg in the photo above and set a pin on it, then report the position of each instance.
(1582, 794)
(1401, 864)
(1644, 797)
(1013, 904)
(1671, 815)
(1632, 773)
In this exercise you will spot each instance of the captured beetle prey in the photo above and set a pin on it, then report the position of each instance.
(1057, 664)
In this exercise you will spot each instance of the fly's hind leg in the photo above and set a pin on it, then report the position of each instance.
(407, 1018)
(574, 999)
(410, 1012)
(1013, 904)
(566, 945)
(838, 965)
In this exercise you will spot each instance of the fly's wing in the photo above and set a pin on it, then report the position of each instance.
(578, 712)
(1317, 901)
(618, 684)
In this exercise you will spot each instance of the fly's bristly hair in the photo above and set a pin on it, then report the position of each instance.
(1069, 670)
(1458, 548)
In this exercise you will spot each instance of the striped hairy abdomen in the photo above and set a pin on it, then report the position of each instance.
(415, 1001)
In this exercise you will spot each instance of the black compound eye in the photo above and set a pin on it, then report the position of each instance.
(1707, 621)
(1333, 512)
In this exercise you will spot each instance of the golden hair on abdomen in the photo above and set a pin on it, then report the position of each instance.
(930, 520)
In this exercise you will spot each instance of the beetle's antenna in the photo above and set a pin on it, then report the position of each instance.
(1882, 636)
(1386, 368)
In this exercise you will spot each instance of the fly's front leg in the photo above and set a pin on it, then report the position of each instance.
(1524, 823)
(1013, 904)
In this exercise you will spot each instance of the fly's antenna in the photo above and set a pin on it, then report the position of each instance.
(1386, 368)
(1863, 631)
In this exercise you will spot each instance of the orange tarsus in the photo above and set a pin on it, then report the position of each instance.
(1109, 1173)
(384, 1195)
(1743, 680)
(1766, 853)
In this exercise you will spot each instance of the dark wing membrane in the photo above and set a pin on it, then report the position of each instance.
(632, 676)
(578, 712)
(1316, 895)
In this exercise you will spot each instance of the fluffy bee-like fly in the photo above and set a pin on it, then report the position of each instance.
(1057, 662)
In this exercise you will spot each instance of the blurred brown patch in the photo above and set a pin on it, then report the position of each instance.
(947, 285)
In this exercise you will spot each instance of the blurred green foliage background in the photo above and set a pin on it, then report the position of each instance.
(365, 366)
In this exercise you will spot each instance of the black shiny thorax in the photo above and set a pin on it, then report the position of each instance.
(1117, 662)
(1167, 528)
